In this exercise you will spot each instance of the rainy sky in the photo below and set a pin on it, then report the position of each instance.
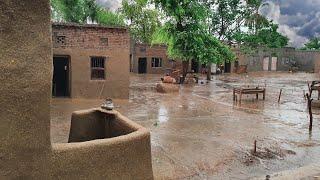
(297, 19)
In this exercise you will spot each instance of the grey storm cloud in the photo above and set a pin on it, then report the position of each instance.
(297, 19)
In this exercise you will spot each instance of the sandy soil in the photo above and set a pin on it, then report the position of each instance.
(200, 133)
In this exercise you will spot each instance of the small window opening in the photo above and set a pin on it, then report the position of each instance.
(156, 62)
(60, 40)
(104, 41)
(98, 68)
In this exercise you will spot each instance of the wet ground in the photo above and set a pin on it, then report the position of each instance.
(200, 133)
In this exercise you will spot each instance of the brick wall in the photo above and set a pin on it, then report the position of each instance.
(80, 43)
(90, 37)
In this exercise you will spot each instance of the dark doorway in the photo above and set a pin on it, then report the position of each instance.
(195, 66)
(142, 66)
(60, 81)
(227, 67)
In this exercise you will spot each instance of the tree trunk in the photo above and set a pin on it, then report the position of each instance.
(185, 67)
(209, 72)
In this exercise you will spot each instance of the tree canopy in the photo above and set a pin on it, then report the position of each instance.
(267, 37)
(186, 33)
(142, 20)
(260, 32)
(313, 44)
(225, 17)
(82, 11)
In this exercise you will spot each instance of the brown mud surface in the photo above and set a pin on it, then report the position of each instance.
(200, 133)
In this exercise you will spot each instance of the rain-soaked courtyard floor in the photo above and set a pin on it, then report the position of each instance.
(200, 133)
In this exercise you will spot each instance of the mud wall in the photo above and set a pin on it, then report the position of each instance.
(83, 42)
(317, 62)
(123, 157)
(148, 51)
(306, 60)
(25, 91)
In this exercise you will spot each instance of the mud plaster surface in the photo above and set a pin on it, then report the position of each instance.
(200, 133)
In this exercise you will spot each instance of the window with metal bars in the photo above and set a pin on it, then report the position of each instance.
(98, 68)
(156, 62)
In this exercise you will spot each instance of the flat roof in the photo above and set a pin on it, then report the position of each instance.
(150, 45)
(76, 25)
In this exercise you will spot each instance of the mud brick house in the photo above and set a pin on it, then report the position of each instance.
(90, 61)
(151, 59)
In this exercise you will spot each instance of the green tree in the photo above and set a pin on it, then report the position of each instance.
(225, 18)
(142, 20)
(313, 44)
(109, 18)
(254, 20)
(261, 32)
(57, 8)
(186, 33)
(266, 38)
(82, 11)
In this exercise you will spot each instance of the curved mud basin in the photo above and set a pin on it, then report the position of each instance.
(200, 133)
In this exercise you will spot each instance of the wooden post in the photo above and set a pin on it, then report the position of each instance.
(280, 96)
(310, 90)
(310, 111)
(255, 146)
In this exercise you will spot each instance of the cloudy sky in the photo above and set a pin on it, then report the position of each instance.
(111, 4)
(297, 19)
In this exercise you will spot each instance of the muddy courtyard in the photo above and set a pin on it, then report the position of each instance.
(200, 133)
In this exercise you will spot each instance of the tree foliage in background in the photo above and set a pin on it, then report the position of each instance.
(143, 21)
(313, 44)
(225, 18)
(267, 37)
(186, 34)
(82, 11)
(254, 20)
(261, 33)
(109, 18)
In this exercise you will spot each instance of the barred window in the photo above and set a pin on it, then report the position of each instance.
(156, 62)
(98, 68)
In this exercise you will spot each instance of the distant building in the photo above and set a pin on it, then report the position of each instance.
(151, 59)
(90, 61)
(282, 59)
